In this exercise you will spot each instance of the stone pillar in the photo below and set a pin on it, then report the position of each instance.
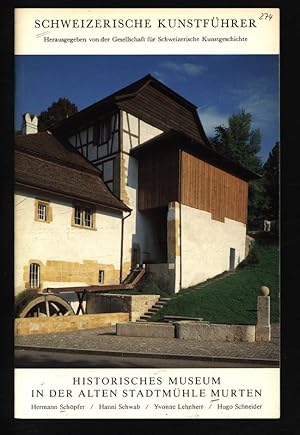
(173, 236)
(263, 325)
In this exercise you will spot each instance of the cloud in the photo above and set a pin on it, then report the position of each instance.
(184, 69)
(263, 108)
(259, 99)
(160, 76)
(211, 117)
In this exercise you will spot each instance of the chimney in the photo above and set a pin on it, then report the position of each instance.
(30, 124)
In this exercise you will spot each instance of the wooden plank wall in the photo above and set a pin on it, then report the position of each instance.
(209, 188)
(158, 178)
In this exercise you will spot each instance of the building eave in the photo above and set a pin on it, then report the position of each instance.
(78, 198)
(187, 143)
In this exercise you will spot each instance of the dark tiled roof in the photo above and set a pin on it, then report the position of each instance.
(50, 170)
(149, 100)
(46, 145)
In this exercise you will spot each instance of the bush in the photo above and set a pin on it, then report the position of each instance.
(22, 298)
(251, 259)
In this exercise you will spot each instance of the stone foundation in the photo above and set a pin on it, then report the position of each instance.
(47, 325)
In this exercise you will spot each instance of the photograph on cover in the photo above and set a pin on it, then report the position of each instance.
(146, 211)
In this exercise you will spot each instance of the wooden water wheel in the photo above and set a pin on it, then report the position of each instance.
(44, 305)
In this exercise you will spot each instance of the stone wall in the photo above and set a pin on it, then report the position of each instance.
(134, 305)
(47, 325)
(188, 330)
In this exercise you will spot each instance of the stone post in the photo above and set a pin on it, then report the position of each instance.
(263, 325)
(173, 240)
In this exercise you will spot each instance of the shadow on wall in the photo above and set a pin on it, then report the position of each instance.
(150, 226)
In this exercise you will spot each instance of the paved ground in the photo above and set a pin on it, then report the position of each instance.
(105, 341)
(52, 359)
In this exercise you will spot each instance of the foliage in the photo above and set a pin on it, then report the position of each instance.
(22, 298)
(232, 297)
(251, 259)
(59, 110)
(239, 141)
(256, 200)
(271, 183)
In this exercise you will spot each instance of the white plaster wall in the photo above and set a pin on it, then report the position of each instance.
(147, 131)
(206, 244)
(59, 240)
(133, 126)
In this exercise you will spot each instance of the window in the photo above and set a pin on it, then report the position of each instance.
(107, 169)
(34, 275)
(104, 130)
(82, 139)
(231, 259)
(84, 217)
(43, 211)
(101, 277)
(88, 217)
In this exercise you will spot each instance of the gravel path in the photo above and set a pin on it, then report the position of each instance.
(105, 339)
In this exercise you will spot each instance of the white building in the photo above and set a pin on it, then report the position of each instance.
(169, 200)
(67, 222)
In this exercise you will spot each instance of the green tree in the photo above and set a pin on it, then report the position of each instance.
(240, 142)
(271, 183)
(59, 110)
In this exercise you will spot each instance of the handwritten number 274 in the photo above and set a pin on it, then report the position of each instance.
(266, 16)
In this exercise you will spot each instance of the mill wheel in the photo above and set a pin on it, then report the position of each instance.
(46, 305)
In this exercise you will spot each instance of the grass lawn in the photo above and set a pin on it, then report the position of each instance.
(232, 297)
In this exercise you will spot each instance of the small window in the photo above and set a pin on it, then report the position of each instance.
(101, 277)
(88, 218)
(84, 217)
(42, 212)
(34, 275)
(104, 130)
(78, 216)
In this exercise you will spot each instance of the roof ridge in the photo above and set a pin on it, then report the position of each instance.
(119, 94)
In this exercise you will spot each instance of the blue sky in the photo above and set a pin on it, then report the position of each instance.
(219, 85)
